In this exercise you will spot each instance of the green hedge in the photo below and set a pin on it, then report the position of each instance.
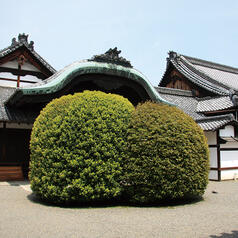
(77, 147)
(167, 155)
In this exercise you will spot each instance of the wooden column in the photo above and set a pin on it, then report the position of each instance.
(21, 61)
(18, 76)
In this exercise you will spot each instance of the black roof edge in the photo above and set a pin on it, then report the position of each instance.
(220, 117)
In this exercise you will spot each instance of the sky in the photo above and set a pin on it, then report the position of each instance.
(145, 31)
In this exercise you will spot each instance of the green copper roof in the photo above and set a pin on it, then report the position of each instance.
(60, 79)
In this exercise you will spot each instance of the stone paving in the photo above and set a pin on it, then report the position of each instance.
(215, 217)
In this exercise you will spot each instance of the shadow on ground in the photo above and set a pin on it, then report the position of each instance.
(234, 234)
(114, 203)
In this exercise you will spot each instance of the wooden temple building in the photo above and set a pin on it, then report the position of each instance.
(204, 90)
(20, 66)
(208, 92)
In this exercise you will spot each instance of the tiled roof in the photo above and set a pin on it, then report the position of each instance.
(5, 93)
(219, 79)
(216, 122)
(214, 104)
(22, 41)
(9, 114)
(205, 74)
(189, 104)
(183, 99)
(223, 74)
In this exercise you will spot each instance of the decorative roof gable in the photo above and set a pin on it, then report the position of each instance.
(215, 78)
(23, 48)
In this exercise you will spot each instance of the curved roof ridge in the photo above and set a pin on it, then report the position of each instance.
(203, 74)
(52, 77)
(63, 77)
(196, 76)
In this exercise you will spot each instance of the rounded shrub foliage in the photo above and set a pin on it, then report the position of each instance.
(168, 155)
(77, 147)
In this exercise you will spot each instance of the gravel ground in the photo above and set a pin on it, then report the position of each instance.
(215, 216)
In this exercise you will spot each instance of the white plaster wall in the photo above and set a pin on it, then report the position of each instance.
(229, 174)
(11, 64)
(233, 144)
(18, 125)
(213, 157)
(229, 158)
(29, 67)
(7, 75)
(28, 77)
(211, 137)
(14, 65)
(22, 85)
(6, 83)
(228, 131)
(213, 175)
(31, 78)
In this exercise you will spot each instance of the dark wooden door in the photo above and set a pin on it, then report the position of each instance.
(14, 148)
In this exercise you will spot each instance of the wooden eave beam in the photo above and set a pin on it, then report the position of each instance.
(13, 55)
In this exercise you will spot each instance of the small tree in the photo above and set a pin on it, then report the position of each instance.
(77, 147)
(167, 155)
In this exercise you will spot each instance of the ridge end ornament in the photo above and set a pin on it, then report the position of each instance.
(112, 56)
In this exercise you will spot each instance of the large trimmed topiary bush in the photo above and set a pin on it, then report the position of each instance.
(168, 155)
(77, 147)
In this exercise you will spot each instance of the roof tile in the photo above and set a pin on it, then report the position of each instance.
(214, 104)
(190, 104)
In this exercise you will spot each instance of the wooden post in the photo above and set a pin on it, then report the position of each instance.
(18, 76)
(21, 61)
